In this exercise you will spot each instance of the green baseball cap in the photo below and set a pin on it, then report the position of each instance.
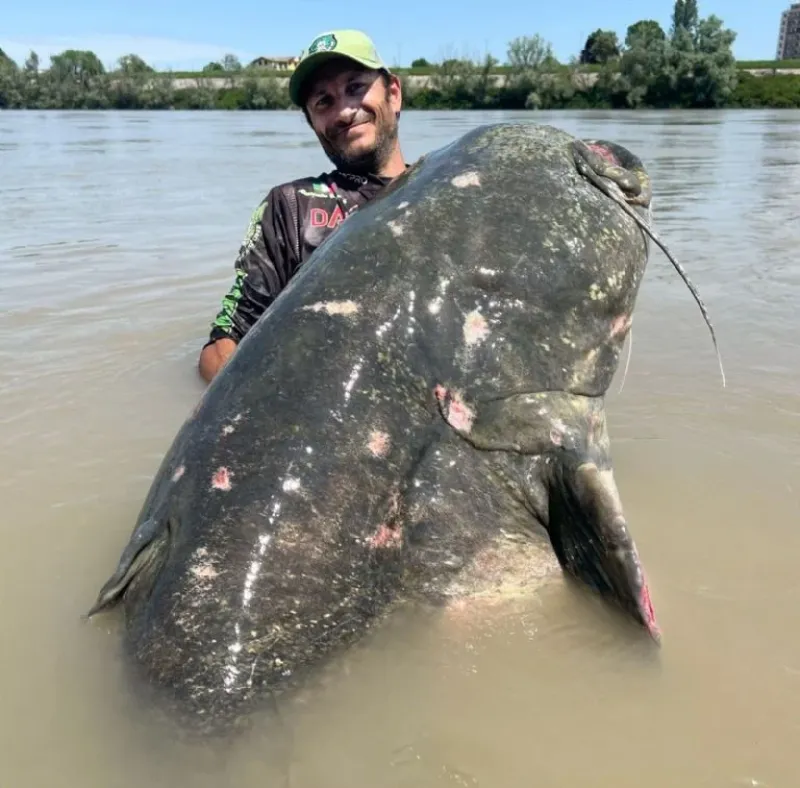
(351, 44)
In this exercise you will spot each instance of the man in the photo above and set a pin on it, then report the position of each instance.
(352, 102)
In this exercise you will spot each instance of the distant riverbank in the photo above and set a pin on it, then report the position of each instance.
(587, 77)
(568, 88)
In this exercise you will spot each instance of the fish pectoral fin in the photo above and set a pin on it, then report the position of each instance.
(590, 536)
(137, 553)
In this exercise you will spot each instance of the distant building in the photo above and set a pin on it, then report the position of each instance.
(789, 35)
(276, 63)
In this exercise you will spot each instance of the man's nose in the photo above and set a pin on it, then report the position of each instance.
(345, 111)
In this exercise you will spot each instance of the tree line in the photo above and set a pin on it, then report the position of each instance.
(689, 66)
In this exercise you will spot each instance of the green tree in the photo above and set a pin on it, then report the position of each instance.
(212, 68)
(420, 62)
(528, 54)
(644, 33)
(132, 65)
(77, 66)
(685, 16)
(75, 80)
(695, 67)
(535, 80)
(6, 61)
(705, 74)
(231, 63)
(11, 83)
(32, 63)
(30, 86)
(600, 47)
(641, 67)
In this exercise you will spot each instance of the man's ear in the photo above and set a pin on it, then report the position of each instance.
(395, 92)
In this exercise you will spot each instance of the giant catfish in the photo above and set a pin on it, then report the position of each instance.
(420, 408)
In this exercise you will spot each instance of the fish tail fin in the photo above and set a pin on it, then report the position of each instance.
(143, 553)
(590, 536)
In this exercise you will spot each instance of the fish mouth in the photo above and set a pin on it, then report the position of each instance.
(593, 544)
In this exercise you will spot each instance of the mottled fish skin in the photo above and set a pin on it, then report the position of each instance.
(415, 414)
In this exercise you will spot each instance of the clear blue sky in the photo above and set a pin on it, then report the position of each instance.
(189, 33)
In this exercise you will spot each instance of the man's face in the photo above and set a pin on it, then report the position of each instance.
(354, 115)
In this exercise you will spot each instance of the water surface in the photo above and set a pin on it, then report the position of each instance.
(117, 241)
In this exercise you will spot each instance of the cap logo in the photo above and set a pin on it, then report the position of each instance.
(324, 43)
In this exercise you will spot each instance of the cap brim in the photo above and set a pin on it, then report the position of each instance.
(308, 66)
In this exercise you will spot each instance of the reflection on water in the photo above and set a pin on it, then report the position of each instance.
(113, 272)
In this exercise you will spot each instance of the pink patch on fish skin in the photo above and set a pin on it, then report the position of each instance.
(595, 426)
(646, 606)
(221, 480)
(604, 153)
(455, 411)
(386, 536)
(621, 325)
(379, 443)
(179, 471)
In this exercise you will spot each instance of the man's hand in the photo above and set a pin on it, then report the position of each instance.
(213, 358)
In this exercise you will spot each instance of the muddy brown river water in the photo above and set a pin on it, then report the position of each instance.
(117, 238)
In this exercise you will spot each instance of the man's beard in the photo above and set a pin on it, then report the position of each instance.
(369, 161)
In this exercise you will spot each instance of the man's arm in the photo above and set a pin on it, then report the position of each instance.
(262, 269)
(214, 356)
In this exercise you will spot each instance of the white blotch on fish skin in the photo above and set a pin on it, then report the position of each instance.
(435, 306)
(334, 307)
(395, 227)
(202, 568)
(179, 471)
(231, 671)
(403, 204)
(444, 283)
(475, 328)
(595, 293)
(466, 179)
(291, 485)
(204, 572)
(351, 381)
(228, 429)
(384, 327)
(487, 271)
(379, 443)
(557, 432)
(411, 320)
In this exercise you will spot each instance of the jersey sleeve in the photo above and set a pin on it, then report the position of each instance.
(261, 270)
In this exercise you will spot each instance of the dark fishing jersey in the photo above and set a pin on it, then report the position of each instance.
(288, 225)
